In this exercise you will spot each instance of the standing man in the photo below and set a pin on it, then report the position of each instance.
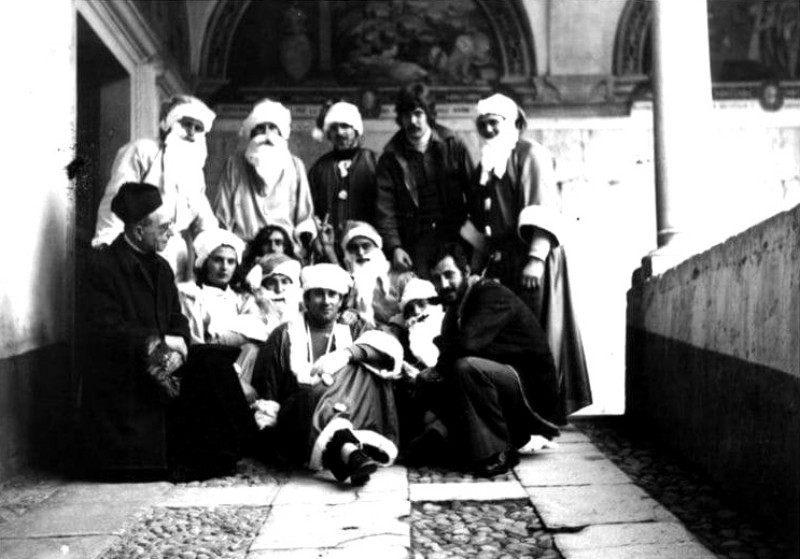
(149, 404)
(342, 181)
(266, 184)
(423, 179)
(496, 368)
(174, 164)
(516, 203)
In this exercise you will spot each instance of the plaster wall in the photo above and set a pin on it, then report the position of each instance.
(36, 211)
(713, 366)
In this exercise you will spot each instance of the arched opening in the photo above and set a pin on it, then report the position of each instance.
(298, 48)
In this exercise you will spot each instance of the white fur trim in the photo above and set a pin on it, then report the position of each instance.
(315, 460)
(210, 240)
(542, 217)
(500, 105)
(384, 343)
(326, 276)
(379, 441)
(360, 229)
(194, 109)
(268, 111)
(346, 113)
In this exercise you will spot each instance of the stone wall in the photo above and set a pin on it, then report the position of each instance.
(713, 365)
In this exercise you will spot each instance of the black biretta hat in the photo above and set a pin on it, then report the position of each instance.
(135, 201)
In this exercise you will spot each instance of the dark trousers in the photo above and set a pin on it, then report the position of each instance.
(485, 410)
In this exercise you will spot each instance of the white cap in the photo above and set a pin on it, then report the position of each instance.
(268, 111)
(345, 113)
(355, 229)
(326, 276)
(211, 239)
(416, 288)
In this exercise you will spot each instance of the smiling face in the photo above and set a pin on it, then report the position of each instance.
(490, 125)
(322, 305)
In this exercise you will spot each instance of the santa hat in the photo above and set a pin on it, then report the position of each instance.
(416, 289)
(353, 229)
(186, 105)
(135, 200)
(280, 264)
(268, 111)
(326, 276)
(345, 113)
(503, 106)
(211, 239)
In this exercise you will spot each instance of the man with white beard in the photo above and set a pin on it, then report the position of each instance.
(265, 184)
(275, 281)
(174, 164)
(375, 295)
(516, 202)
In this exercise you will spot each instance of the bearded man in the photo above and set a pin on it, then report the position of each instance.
(343, 181)
(266, 184)
(516, 203)
(326, 379)
(174, 164)
(376, 291)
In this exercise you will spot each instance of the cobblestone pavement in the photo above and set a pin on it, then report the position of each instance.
(685, 492)
(569, 503)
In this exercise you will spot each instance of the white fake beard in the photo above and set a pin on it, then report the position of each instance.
(269, 161)
(421, 334)
(272, 307)
(496, 151)
(365, 278)
(182, 154)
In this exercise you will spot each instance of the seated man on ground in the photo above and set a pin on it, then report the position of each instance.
(497, 377)
(375, 295)
(327, 379)
(150, 405)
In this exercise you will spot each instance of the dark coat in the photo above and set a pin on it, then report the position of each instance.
(398, 213)
(360, 185)
(491, 322)
(123, 413)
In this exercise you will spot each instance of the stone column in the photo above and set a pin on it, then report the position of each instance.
(682, 106)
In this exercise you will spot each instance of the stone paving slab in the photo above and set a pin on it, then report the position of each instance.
(569, 448)
(602, 504)
(571, 435)
(323, 489)
(95, 492)
(583, 468)
(256, 496)
(619, 535)
(688, 550)
(349, 527)
(478, 491)
(383, 550)
(55, 548)
(73, 519)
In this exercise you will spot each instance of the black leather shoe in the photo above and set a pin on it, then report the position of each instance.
(360, 467)
(331, 456)
(498, 464)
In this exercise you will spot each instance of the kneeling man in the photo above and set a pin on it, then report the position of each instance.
(328, 381)
(497, 372)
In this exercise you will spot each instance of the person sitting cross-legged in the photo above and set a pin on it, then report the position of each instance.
(325, 383)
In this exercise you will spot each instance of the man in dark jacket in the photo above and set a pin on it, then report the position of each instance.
(423, 177)
(146, 401)
(342, 181)
(498, 377)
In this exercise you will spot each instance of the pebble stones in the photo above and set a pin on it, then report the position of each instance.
(485, 530)
(190, 533)
(426, 474)
(685, 492)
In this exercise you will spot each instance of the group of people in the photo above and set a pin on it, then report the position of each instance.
(410, 305)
